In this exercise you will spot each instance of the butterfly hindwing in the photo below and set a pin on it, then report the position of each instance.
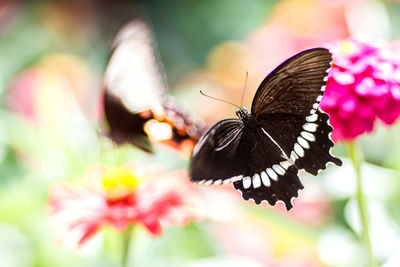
(125, 126)
(313, 145)
(284, 188)
(310, 151)
(304, 140)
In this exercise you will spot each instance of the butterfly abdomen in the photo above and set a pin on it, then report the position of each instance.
(243, 114)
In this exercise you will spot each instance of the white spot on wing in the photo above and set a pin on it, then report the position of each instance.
(256, 180)
(312, 118)
(299, 150)
(246, 182)
(208, 182)
(293, 156)
(272, 174)
(310, 127)
(265, 179)
(278, 169)
(236, 178)
(303, 142)
(227, 181)
(220, 181)
(308, 136)
(285, 164)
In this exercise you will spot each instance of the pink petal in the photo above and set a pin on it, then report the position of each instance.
(343, 77)
(365, 87)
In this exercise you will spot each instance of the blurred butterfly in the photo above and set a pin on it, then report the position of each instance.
(263, 150)
(137, 106)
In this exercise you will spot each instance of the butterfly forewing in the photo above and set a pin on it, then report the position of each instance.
(286, 105)
(294, 86)
(216, 155)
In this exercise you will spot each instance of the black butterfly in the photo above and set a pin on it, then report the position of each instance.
(262, 151)
(137, 106)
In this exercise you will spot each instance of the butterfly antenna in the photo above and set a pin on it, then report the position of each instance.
(219, 99)
(244, 89)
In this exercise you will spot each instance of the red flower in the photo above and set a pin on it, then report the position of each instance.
(143, 195)
(363, 85)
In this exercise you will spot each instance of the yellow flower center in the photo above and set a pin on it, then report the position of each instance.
(347, 47)
(119, 182)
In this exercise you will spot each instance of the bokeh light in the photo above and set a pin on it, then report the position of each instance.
(52, 58)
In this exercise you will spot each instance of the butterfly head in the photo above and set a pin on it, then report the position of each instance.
(242, 113)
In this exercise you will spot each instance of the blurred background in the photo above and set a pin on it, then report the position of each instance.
(52, 58)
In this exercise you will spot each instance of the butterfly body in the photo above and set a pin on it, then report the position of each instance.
(263, 150)
(243, 114)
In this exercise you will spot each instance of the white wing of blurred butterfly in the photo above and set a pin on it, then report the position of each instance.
(136, 101)
(134, 66)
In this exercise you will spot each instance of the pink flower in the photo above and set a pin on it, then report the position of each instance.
(22, 94)
(116, 197)
(53, 88)
(363, 86)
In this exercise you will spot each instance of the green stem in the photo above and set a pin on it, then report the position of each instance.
(126, 239)
(356, 158)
